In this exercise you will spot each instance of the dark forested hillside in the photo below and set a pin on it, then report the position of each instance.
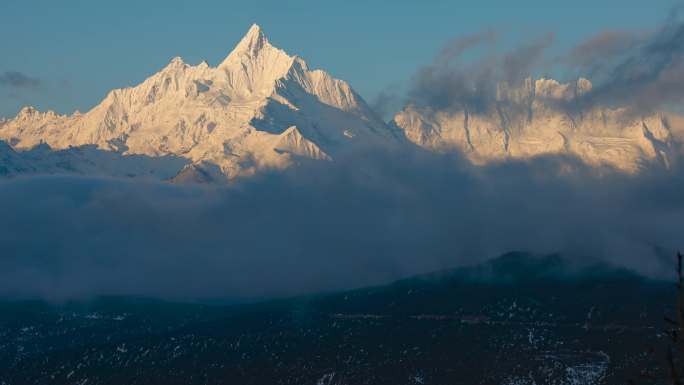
(515, 320)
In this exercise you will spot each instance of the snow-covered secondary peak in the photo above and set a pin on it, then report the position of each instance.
(260, 108)
(526, 122)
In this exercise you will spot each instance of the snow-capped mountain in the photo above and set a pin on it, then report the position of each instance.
(525, 122)
(260, 108)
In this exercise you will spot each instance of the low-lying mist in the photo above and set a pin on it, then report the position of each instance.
(367, 218)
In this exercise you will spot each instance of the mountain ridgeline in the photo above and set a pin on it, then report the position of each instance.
(262, 109)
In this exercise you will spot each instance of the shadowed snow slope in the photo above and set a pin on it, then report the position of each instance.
(260, 108)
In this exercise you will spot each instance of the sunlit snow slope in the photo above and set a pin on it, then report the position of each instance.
(537, 118)
(260, 108)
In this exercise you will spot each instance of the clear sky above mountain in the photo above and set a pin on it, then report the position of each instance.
(66, 55)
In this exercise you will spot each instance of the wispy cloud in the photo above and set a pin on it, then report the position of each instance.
(600, 50)
(640, 72)
(643, 74)
(456, 82)
(15, 79)
(386, 102)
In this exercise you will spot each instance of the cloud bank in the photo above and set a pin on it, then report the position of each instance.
(368, 218)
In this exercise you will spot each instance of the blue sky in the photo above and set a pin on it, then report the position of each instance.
(79, 50)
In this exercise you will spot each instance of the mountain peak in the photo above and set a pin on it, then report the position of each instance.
(228, 120)
(254, 31)
(253, 41)
(251, 46)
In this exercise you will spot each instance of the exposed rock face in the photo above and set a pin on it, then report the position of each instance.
(526, 123)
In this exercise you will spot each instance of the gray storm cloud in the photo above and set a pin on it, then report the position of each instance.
(368, 218)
